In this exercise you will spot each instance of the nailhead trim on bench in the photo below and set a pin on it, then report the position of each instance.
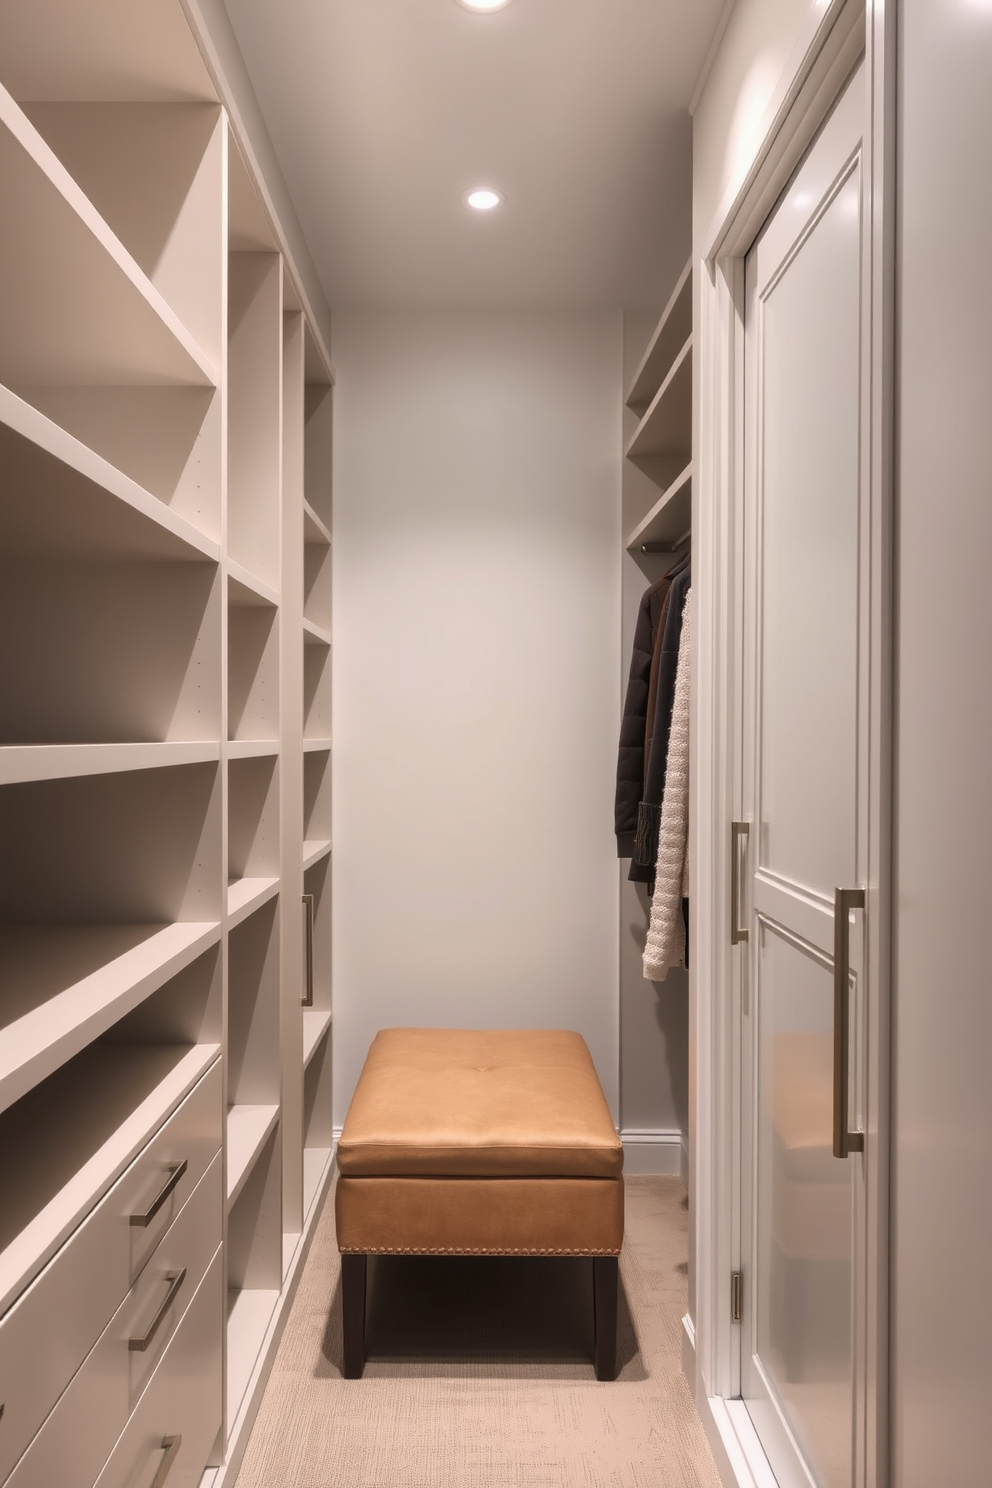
(473, 1250)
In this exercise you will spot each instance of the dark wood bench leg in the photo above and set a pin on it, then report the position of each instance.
(605, 1284)
(353, 1269)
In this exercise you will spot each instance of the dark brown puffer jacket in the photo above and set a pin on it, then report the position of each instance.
(630, 761)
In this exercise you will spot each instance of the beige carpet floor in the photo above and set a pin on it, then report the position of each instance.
(480, 1375)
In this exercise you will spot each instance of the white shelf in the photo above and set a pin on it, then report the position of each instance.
(673, 330)
(64, 985)
(670, 517)
(316, 1161)
(314, 849)
(145, 54)
(666, 428)
(251, 748)
(158, 1078)
(316, 746)
(113, 327)
(314, 529)
(246, 895)
(316, 1022)
(249, 1313)
(248, 1128)
(314, 635)
(244, 590)
(81, 506)
(23, 762)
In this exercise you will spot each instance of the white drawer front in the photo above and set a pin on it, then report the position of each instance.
(179, 1415)
(74, 1442)
(50, 1329)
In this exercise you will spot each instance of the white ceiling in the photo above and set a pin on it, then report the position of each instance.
(383, 112)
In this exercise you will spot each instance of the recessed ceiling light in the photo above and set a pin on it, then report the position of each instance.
(483, 5)
(482, 199)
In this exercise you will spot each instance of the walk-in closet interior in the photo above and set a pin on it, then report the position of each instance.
(563, 611)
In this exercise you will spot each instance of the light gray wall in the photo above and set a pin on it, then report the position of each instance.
(942, 1193)
(476, 676)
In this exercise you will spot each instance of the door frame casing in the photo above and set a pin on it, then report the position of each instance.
(836, 33)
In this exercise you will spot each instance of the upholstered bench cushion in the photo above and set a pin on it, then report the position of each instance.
(479, 1104)
(460, 1142)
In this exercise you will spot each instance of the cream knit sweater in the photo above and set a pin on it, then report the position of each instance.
(665, 946)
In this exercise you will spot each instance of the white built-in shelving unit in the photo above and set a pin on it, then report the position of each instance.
(660, 394)
(165, 738)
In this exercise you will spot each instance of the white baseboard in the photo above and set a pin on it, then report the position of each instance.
(659, 1153)
(689, 1352)
(739, 1456)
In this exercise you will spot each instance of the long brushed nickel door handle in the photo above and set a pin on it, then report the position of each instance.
(175, 1280)
(308, 906)
(171, 1446)
(175, 1173)
(845, 1141)
(739, 833)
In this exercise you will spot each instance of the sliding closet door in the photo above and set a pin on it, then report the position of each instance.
(803, 751)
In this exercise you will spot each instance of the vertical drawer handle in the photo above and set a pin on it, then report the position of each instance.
(845, 1141)
(308, 906)
(171, 1446)
(175, 1280)
(175, 1173)
(739, 834)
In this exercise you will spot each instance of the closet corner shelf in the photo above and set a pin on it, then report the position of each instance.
(246, 591)
(316, 746)
(116, 327)
(80, 980)
(82, 507)
(669, 519)
(248, 1129)
(314, 529)
(246, 895)
(38, 1241)
(673, 330)
(316, 1022)
(20, 763)
(666, 428)
(251, 748)
(315, 635)
(315, 848)
(249, 1314)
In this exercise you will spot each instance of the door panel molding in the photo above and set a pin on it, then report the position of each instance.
(831, 38)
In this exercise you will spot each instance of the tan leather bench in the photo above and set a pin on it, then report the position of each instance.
(461, 1142)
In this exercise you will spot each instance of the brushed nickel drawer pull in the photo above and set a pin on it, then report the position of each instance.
(175, 1280)
(739, 832)
(308, 906)
(845, 1141)
(175, 1173)
(171, 1446)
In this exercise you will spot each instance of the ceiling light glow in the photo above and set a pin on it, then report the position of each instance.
(482, 199)
(482, 6)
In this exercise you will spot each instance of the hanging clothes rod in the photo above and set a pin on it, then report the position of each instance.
(672, 547)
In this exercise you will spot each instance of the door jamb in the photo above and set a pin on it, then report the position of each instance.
(835, 35)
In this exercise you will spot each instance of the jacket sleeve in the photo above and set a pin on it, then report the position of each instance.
(649, 815)
(630, 760)
(666, 944)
